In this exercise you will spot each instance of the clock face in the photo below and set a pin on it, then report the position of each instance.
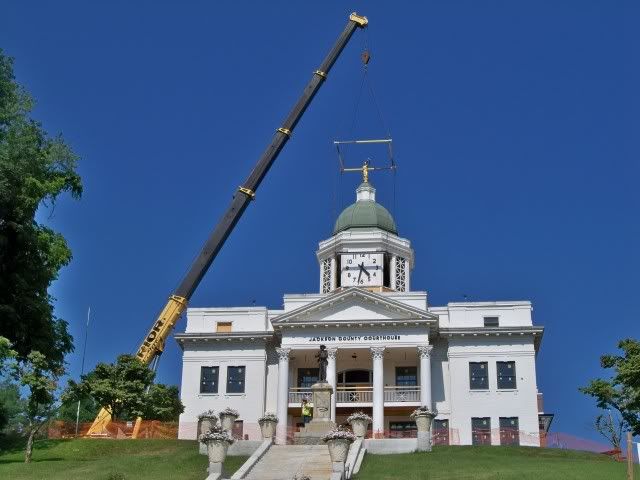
(361, 269)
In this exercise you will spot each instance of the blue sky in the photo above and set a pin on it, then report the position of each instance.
(515, 131)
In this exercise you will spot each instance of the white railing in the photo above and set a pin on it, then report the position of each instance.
(401, 394)
(297, 394)
(354, 395)
(393, 394)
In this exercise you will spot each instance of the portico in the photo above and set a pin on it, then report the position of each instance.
(379, 355)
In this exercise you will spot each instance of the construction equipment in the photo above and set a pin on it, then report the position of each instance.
(153, 345)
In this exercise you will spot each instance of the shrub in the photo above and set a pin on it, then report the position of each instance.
(359, 416)
(208, 414)
(268, 417)
(339, 433)
(216, 434)
(229, 411)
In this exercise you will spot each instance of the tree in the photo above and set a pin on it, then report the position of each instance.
(610, 429)
(119, 387)
(12, 406)
(35, 375)
(125, 389)
(163, 403)
(34, 170)
(69, 409)
(622, 391)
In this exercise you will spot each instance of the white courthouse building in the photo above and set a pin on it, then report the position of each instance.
(390, 351)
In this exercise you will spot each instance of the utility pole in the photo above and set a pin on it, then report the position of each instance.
(629, 456)
(84, 351)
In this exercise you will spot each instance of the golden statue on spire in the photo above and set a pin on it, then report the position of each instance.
(365, 169)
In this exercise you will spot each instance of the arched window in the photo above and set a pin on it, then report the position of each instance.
(356, 376)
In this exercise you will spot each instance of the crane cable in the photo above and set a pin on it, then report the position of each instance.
(365, 57)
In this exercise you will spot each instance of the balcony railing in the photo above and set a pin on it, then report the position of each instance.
(401, 394)
(364, 394)
(354, 395)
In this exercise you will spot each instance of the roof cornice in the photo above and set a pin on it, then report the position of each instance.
(417, 315)
(536, 331)
(213, 338)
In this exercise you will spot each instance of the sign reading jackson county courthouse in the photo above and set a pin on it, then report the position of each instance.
(474, 363)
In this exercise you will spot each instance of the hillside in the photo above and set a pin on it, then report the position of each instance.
(493, 463)
(177, 459)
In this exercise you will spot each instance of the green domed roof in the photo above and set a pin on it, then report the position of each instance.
(365, 213)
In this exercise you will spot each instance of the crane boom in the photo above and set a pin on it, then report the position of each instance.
(154, 342)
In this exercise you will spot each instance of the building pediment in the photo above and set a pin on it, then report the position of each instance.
(351, 306)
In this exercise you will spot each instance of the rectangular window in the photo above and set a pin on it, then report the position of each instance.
(235, 379)
(403, 430)
(509, 431)
(491, 321)
(307, 377)
(208, 379)
(481, 431)
(223, 327)
(478, 376)
(441, 432)
(506, 375)
(406, 376)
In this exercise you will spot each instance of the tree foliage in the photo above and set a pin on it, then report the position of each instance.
(119, 387)
(69, 409)
(12, 407)
(125, 390)
(622, 391)
(35, 376)
(34, 170)
(163, 403)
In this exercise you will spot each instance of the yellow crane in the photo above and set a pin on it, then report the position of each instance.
(153, 344)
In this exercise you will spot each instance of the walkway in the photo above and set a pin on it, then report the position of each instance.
(284, 462)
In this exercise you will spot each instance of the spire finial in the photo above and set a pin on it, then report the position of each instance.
(365, 171)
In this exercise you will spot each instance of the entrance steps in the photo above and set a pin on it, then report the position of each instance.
(284, 462)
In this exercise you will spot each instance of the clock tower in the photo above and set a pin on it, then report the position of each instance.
(365, 249)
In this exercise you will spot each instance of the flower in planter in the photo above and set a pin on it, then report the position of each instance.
(216, 434)
(268, 417)
(422, 411)
(229, 411)
(359, 416)
(208, 414)
(339, 434)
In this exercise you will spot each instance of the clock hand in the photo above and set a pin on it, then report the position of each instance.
(359, 274)
(362, 269)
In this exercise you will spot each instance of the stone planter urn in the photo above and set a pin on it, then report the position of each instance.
(423, 418)
(227, 418)
(359, 422)
(423, 422)
(217, 450)
(205, 424)
(217, 441)
(268, 428)
(339, 449)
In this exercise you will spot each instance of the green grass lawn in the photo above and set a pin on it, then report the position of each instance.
(493, 463)
(89, 459)
(179, 459)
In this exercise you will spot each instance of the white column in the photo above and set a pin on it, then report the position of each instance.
(424, 351)
(334, 273)
(331, 378)
(377, 354)
(392, 272)
(283, 395)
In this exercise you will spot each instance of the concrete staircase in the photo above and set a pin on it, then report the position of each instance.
(284, 462)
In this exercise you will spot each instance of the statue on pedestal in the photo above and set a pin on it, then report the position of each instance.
(322, 357)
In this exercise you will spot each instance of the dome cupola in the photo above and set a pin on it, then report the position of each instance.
(365, 213)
